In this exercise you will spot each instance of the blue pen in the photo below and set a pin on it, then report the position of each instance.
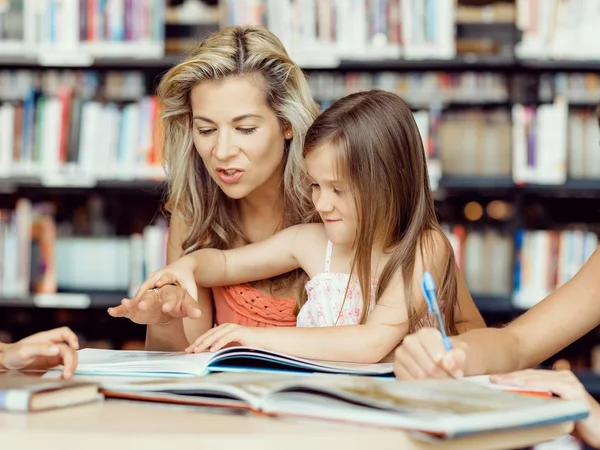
(428, 286)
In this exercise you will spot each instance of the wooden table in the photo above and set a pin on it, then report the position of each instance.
(116, 424)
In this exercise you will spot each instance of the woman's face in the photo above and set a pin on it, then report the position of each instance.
(238, 136)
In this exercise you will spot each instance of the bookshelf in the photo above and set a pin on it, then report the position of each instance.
(464, 88)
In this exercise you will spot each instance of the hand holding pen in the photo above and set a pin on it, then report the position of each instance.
(428, 353)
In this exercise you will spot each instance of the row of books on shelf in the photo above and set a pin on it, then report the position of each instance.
(64, 130)
(71, 141)
(81, 126)
(40, 256)
(417, 88)
(326, 31)
(558, 30)
(316, 32)
(437, 88)
(64, 30)
(526, 266)
(363, 29)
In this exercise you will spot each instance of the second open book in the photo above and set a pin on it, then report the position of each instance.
(277, 384)
(439, 409)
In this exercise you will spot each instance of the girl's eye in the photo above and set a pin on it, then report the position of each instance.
(205, 131)
(248, 130)
(337, 191)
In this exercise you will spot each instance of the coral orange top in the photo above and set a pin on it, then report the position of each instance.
(243, 304)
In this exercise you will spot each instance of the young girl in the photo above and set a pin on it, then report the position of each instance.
(366, 168)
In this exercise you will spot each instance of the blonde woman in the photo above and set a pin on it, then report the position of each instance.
(234, 117)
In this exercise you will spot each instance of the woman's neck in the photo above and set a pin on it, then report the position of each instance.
(261, 215)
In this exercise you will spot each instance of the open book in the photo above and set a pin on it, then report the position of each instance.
(232, 359)
(434, 408)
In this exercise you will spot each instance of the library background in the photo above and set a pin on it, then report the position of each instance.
(504, 93)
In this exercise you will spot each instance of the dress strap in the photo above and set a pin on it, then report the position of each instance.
(328, 256)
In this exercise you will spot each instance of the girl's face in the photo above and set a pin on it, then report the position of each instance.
(331, 196)
(238, 136)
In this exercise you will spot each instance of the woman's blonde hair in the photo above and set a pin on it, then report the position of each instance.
(231, 52)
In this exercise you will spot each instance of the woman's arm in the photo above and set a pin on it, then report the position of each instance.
(466, 314)
(176, 334)
(561, 318)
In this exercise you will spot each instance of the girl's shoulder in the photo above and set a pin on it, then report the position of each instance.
(312, 232)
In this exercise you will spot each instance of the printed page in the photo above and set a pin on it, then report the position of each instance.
(141, 363)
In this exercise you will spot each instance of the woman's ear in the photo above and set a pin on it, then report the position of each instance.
(288, 133)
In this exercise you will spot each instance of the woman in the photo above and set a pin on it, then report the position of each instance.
(234, 117)
(563, 317)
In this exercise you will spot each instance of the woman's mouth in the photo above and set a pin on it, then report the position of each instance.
(229, 176)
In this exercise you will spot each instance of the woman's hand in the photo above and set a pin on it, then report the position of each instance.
(228, 333)
(423, 355)
(565, 384)
(42, 351)
(158, 306)
(167, 294)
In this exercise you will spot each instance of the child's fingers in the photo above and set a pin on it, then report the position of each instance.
(232, 336)
(148, 284)
(204, 341)
(166, 278)
(218, 335)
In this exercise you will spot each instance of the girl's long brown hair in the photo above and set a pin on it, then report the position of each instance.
(381, 156)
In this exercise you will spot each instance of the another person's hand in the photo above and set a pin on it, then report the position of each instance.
(225, 334)
(158, 306)
(42, 351)
(566, 385)
(423, 355)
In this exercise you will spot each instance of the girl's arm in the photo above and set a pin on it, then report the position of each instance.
(289, 249)
(371, 342)
(368, 343)
(561, 318)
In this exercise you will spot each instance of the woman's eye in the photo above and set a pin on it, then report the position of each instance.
(205, 131)
(314, 186)
(247, 130)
